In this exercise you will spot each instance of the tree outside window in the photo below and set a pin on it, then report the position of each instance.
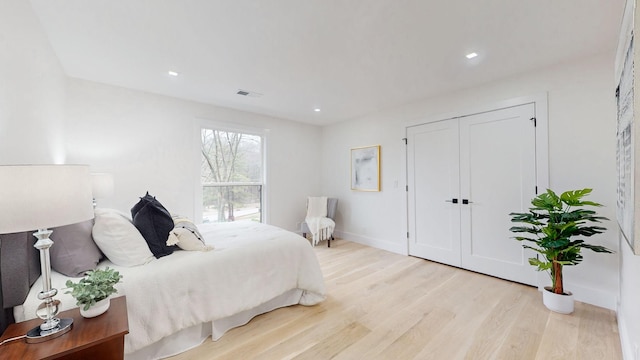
(231, 176)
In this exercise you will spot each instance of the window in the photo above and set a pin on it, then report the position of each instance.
(231, 175)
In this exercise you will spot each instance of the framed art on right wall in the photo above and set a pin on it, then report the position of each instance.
(626, 131)
(624, 148)
(365, 168)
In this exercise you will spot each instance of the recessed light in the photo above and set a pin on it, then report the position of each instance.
(316, 109)
(471, 55)
(172, 73)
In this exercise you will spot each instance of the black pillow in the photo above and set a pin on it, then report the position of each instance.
(154, 223)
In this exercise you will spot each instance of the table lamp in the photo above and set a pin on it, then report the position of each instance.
(37, 197)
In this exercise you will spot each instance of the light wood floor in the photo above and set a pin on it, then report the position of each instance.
(387, 306)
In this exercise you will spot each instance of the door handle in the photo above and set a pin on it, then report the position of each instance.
(466, 201)
(455, 201)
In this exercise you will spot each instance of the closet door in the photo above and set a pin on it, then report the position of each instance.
(497, 164)
(465, 176)
(433, 180)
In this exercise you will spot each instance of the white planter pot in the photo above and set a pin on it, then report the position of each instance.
(562, 304)
(98, 309)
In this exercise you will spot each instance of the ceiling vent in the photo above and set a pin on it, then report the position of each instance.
(248, 93)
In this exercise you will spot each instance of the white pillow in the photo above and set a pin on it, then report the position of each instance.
(119, 240)
(186, 240)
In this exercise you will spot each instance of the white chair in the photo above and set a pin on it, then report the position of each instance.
(332, 205)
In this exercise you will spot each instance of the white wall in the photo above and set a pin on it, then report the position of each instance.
(147, 141)
(581, 154)
(629, 308)
(31, 90)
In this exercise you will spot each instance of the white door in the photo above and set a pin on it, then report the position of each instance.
(493, 156)
(434, 176)
(498, 176)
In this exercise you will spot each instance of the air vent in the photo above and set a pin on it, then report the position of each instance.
(248, 93)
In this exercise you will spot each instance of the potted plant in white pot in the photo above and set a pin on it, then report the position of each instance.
(92, 292)
(553, 227)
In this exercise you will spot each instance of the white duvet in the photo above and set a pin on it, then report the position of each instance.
(252, 263)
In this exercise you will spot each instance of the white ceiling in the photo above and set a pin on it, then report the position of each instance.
(347, 57)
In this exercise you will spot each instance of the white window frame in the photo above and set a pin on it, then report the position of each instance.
(201, 123)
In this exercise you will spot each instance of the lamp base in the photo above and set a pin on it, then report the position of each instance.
(36, 335)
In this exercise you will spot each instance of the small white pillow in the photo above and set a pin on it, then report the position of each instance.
(183, 222)
(186, 240)
(119, 240)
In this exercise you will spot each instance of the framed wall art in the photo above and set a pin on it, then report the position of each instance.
(365, 168)
(627, 151)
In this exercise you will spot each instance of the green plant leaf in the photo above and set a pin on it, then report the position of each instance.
(572, 197)
(533, 248)
(557, 221)
(548, 201)
(522, 238)
(95, 286)
(597, 248)
(521, 229)
(541, 265)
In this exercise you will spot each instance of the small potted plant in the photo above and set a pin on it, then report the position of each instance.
(92, 292)
(553, 226)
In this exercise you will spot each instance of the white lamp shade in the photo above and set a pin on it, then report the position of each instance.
(43, 196)
(102, 185)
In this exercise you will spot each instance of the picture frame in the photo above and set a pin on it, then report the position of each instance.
(627, 152)
(625, 211)
(365, 168)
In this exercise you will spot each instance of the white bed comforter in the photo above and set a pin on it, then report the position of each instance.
(252, 263)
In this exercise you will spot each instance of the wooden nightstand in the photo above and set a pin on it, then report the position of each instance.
(101, 337)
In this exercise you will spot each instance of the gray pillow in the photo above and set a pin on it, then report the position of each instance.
(74, 252)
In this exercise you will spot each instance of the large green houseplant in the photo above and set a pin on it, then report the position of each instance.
(553, 228)
(97, 285)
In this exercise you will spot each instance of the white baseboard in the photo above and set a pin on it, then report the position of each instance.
(629, 349)
(592, 296)
(369, 241)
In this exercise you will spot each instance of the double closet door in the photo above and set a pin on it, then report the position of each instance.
(465, 175)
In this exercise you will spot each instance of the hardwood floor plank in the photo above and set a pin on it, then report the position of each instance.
(497, 325)
(385, 333)
(471, 304)
(525, 336)
(413, 341)
(382, 305)
(335, 342)
(595, 330)
(560, 339)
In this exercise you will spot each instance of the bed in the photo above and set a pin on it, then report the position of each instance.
(175, 302)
